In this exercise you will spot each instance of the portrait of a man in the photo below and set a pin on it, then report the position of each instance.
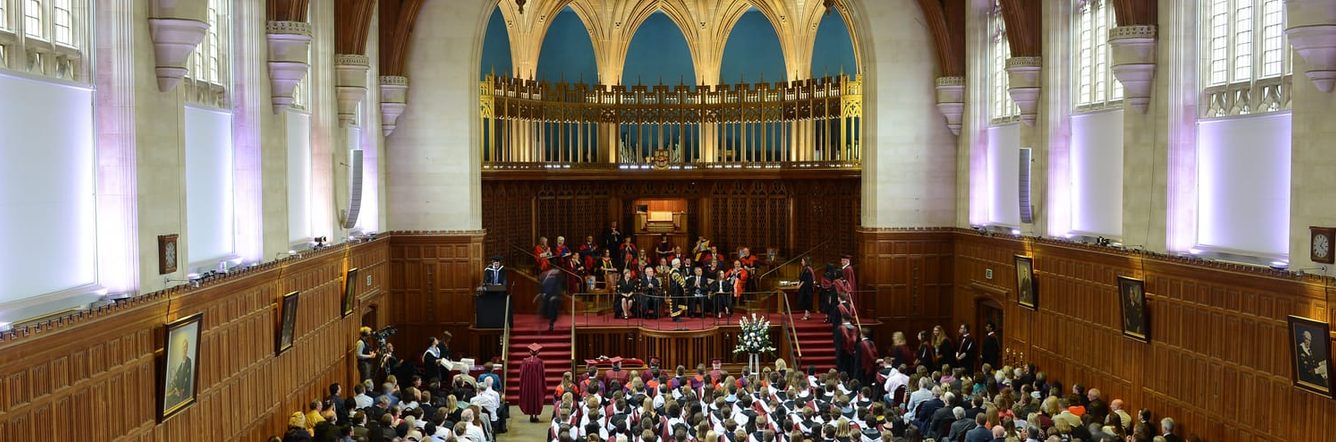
(180, 370)
(287, 323)
(1025, 290)
(349, 291)
(1132, 298)
(1309, 344)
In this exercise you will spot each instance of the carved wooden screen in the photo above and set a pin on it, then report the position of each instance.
(822, 210)
(507, 216)
(750, 213)
(573, 210)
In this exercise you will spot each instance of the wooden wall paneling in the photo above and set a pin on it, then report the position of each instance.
(95, 377)
(906, 279)
(437, 274)
(1218, 360)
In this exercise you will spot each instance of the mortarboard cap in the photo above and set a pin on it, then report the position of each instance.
(535, 347)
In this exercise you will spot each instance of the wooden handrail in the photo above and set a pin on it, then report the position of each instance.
(505, 339)
(797, 349)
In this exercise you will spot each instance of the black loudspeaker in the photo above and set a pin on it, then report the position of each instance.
(489, 309)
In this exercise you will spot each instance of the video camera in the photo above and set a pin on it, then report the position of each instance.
(381, 335)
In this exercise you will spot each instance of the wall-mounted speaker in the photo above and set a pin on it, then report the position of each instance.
(348, 217)
(1027, 210)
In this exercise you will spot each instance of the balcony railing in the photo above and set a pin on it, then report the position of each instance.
(530, 125)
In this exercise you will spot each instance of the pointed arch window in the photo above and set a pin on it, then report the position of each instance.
(1096, 88)
(1003, 109)
(45, 37)
(208, 68)
(1246, 61)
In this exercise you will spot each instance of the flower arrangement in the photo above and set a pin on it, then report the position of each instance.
(754, 336)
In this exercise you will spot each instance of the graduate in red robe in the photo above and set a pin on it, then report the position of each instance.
(847, 269)
(542, 255)
(533, 388)
(616, 373)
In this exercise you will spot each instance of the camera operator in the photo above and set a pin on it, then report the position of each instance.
(366, 357)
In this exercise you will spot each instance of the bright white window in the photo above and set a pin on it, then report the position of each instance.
(299, 177)
(62, 21)
(1246, 59)
(46, 188)
(1243, 173)
(45, 37)
(32, 19)
(208, 67)
(1004, 148)
(209, 198)
(1095, 85)
(1003, 108)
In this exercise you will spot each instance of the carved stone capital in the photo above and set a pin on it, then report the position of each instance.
(174, 39)
(1023, 83)
(1134, 63)
(289, 42)
(1311, 29)
(951, 101)
(393, 96)
(350, 73)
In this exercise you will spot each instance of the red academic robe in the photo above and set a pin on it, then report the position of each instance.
(587, 255)
(867, 353)
(541, 255)
(533, 391)
(850, 276)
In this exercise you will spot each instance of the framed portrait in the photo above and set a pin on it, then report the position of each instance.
(1132, 299)
(287, 323)
(179, 374)
(1310, 355)
(349, 291)
(1025, 287)
(167, 254)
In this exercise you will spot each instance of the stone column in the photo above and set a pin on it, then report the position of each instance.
(1312, 32)
(908, 155)
(434, 169)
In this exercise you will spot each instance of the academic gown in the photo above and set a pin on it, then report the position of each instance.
(533, 388)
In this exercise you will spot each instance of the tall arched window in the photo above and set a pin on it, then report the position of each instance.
(1003, 109)
(208, 68)
(1245, 57)
(1095, 86)
(44, 37)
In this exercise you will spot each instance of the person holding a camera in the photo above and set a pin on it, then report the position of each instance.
(366, 357)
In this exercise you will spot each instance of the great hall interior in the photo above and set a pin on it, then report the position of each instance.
(1071, 219)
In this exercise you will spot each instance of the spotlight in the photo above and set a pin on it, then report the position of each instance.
(1195, 251)
(1068, 235)
(1016, 232)
(1280, 265)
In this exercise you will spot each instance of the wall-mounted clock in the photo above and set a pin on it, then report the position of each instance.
(1320, 244)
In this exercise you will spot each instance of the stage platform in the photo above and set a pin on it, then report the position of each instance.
(687, 342)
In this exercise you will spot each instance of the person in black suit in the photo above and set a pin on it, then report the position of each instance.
(962, 425)
(939, 424)
(612, 239)
(1167, 427)
(965, 354)
(991, 353)
(550, 292)
(651, 288)
(494, 274)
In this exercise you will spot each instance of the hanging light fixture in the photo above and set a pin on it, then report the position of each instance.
(520, 3)
(830, 5)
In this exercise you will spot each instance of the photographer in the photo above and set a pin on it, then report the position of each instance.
(366, 357)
